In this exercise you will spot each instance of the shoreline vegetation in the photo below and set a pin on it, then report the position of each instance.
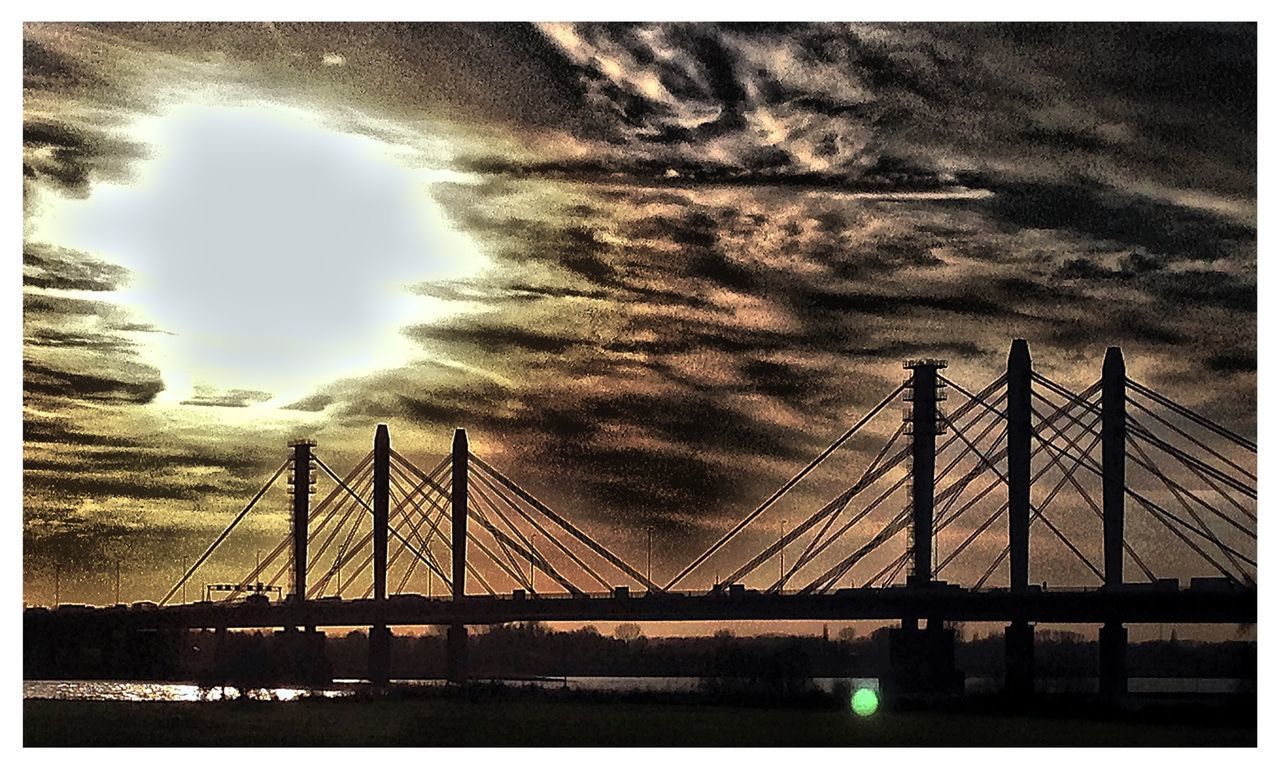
(532, 650)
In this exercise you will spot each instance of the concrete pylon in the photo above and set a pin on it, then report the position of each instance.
(458, 498)
(1114, 431)
(300, 477)
(1113, 638)
(1019, 636)
(1019, 659)
(924, 432)
(1018, 418)
(379, 634)
(381, 509)
(379, 654)
(922, 660)
(1113, 668)
(456, 651)
(456, 654)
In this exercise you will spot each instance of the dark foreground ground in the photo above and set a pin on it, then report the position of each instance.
(536, 722)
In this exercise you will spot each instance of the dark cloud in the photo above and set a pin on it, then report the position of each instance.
(41, 428)
(1129, 221)
(142, 387)
(766, 166)
(45, 67)
(1207, 287)
(45, 266)
(317, 402)
(143, 459)
(90, 484)
(1233, 362)
(493, 339)
(71, 155)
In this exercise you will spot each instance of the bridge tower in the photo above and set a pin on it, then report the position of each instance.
(1113, 638)
(457, 637)
(1019, 636)
(923, 659)
(1114, 431)
(924, 392)
(379, 634)
(301, 482)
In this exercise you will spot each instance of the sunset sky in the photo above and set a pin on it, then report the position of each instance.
(653, 269)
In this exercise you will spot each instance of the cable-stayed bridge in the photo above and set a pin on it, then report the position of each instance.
(1164, 491)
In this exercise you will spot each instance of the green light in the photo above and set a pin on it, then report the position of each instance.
(865, 702)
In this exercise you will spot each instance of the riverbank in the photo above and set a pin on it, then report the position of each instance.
(543, 722)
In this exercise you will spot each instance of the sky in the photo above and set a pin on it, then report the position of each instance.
(653, 269)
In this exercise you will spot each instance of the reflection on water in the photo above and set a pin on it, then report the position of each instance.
(185, 692)
(139, 691)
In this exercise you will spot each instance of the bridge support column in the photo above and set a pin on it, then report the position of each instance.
(1113, 673)
(299, 657)
(458, 518)
(379, 655)
(300, 478)
(381, 507)
(457, 640)
(923, 661)
(379, 635)
(1018, 417)
(924, 430)
(1113, 467)
(1019, 636)
(456, 654)
(221, 655)
(1019, 659)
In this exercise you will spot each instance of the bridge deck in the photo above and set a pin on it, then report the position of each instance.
(1131, 604)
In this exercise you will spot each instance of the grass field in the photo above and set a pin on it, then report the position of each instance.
(443, 722)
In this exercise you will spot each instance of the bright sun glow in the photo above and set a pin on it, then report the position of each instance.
(273, 250)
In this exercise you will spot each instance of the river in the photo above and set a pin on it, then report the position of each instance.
(188, 692)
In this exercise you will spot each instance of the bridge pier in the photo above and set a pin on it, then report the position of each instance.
(456, 654)
(923, 660)
(299, 657)
(1019, 659)
(221, 656)
(379, 655)
(1113, 672)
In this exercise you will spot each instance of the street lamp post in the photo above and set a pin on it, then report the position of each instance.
(781, 553)
(648, 566)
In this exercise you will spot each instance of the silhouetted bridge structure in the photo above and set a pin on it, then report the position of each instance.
(465, 521)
